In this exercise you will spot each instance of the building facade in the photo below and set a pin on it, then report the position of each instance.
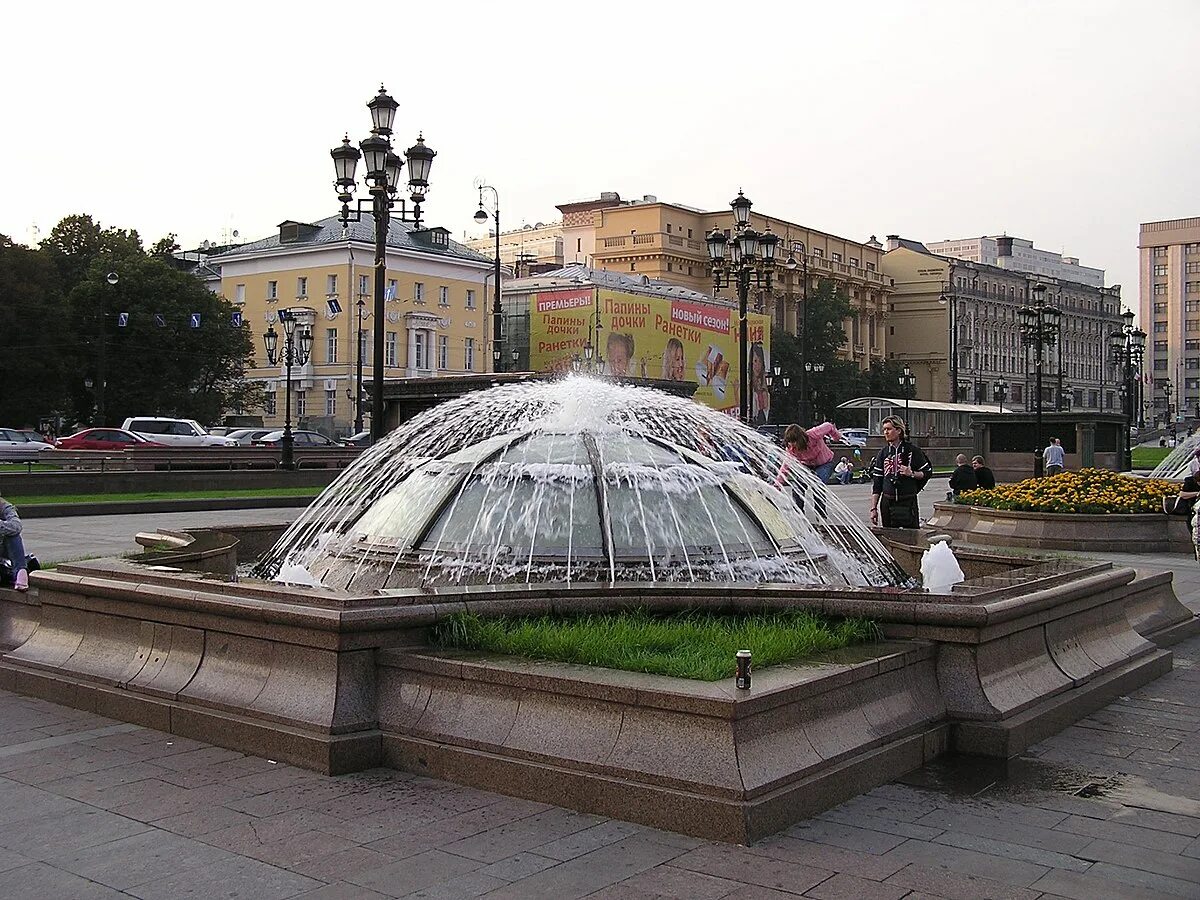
(1169, 307)
(437, 320)
(956, 323)
(530, 248)
(665, 242)
(1019, 255)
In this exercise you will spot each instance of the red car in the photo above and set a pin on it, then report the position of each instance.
(105, 439)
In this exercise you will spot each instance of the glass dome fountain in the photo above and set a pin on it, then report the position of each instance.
(575, 480)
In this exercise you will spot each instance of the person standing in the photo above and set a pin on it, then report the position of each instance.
(900, 471)
(1054, 457)
(963, 477)
(12, 546)
(808, 448)
(985, 479)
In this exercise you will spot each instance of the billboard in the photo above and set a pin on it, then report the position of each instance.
(653, 337)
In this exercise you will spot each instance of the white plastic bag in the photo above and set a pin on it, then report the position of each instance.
(939, 569)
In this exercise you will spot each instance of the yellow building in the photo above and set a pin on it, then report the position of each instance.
(957, 319)
(666, 242)
(436, 320)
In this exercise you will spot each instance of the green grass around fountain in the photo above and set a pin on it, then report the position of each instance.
(1149, 457)
(700, 646)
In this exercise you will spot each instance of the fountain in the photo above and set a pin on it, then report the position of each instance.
(1175, 464)
(577, 480)
(308, 644)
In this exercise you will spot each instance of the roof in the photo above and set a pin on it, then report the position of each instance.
(576, 274)
(928, 405)
(329, 231)
(915, 246)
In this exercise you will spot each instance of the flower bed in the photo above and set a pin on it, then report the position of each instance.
(1086, 492)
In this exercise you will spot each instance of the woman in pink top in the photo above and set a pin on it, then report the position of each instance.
(809, 449)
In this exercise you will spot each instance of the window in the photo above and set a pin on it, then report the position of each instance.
(1161, 327)
(364, 285)
(1192, 267)
(470, 299)
(302, 286)
(469, 355)
(854, 261)
(330, 284)
(837, 257)
(1160, 252)
(301, 404)
(418, 360)
(1160, 270)
(1160, 365)
(1192, 344)
(1160, 346)
(1192, 325)
(633, 268)
(239, 294)
(1193, 287)
(1192, 362)
(1160, 290)
(331, 345)
(419, 291)
(1192, 249)
(870, 267)
(272, 290)
(364, 347)
(689, 232)
(1160, 308)
(393, 289)
(331, 403)
(1188, 306)
(443, 353)
(668, 232)
(270, 405)
(578, 245)
(443, 296)
(389, 349)
(818, 253)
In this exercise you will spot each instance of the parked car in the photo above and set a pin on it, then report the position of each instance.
(855, 437)
(299, 439)
(247, 436)
(362, 439)
(17, 445)
(106, 439)
(175, 432)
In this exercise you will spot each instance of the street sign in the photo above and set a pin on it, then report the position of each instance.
(334, 306)
(194, 320)
(160, 320)
(122, 319)
(235, 319)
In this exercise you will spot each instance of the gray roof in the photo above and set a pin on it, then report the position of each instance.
(577, 273)
(916, 246)
(329, 231)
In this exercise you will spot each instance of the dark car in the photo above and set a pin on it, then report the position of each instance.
(299, 439)
(362, 439)
(106, 439)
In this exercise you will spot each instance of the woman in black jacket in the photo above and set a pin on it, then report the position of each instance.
(900, 471)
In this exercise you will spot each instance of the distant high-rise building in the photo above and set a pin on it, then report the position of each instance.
(1018, 255)
(1169, 312)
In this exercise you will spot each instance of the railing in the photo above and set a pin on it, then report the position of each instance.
(614, 242)
(184, 459)
(643, 238)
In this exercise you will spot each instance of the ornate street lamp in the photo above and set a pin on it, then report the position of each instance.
(751, 258)
(297, 347)
(1000, 393)
(481, 216)
(791, 265)
(1039, 329)
(1127, 347)
(908, 384)
(384, 167)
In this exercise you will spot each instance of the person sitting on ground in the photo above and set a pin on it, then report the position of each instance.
(844, 470)
(985, 479)
(13, 547)
(963, 477)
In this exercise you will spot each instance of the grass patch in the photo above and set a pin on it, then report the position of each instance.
(39, 499)
(700, 646)
(1149, 457)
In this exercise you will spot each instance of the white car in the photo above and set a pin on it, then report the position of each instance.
(855, 437)
(175, 432)
(16, 445)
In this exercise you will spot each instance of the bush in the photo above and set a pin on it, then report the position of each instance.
(1088, 491)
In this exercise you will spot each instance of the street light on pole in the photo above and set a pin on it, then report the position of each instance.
(1127, 346)
(908, 381)
(751, 258)
(481, 216)
(1039, 329)
(296, 350)
(382, 179)
(791, 265)
(1000, 393)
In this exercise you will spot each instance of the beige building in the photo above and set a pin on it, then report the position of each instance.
(666, 242)
(1169, 312)
(528, 248)
(436, 320)
(1019, 255)
(932, 292)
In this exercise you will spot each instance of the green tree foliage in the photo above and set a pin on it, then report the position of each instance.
(56, 303)
(827, 309)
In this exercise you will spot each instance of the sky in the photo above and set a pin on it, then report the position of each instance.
(1068, 123)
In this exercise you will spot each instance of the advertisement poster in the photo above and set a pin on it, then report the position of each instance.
(653, 337)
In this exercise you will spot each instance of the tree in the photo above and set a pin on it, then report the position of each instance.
(36, 338)
(827, 308)
(165, 247)
(78, 240)
(170, 368)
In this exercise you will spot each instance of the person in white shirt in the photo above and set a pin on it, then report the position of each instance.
(1054, 457)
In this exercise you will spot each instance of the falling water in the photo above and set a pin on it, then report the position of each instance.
(576, 480)
(1175, 464)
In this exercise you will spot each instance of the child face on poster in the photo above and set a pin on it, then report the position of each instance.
(672, 369)
(619, 350)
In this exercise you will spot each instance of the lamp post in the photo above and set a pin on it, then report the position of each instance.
(102, 362)
(751, 258)
(358, 394)
(296, 351)
(1039, 329)
(1167, 423)
(1127, 347)
(812, 368)
(383, 182)
(908, 381)
(481, 216)
(1000, 393)
(791, 265)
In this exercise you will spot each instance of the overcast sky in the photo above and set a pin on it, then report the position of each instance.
(1064, 122)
